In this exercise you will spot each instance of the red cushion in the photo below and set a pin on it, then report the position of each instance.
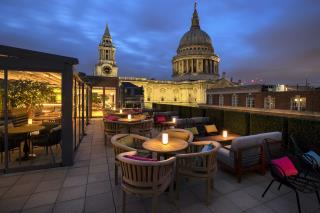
(160, 118)
(112, 118)
(286, 166)
(136, 157)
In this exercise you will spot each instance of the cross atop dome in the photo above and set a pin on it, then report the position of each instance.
(195, 17)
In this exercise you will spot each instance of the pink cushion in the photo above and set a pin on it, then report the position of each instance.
(112, 118)
(160, 118)
(136, 157)
(286, 165)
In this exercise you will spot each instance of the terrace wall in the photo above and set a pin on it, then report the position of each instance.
(305, 130)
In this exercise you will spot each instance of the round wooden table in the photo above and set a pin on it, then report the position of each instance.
(26, 130)
(174, 145)
(129, 123)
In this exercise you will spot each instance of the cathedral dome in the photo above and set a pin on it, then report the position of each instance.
(195, 38)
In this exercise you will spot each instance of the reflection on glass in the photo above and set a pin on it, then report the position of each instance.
(34, 117)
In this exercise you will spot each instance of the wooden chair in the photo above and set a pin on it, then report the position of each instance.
(145, 178)
(182, 134)
(197, 164)
(144, 128)
(119, 148)
(111, 128)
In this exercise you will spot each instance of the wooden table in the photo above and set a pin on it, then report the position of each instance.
(26, 130)
(47, 118)
(167, 124)
(155, 145)
(223, 140)
(129, 123)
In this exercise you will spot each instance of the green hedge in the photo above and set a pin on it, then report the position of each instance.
(216, 117)
(236, 122)
(184, 112)
(265, 123)
(197, 112)
(305, 132)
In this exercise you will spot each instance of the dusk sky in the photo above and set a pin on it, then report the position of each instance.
(277, 41)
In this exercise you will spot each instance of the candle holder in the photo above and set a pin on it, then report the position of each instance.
(29, 120)
(174, 120)
(165, 138)
(225, 133)
(121, 111)
(129, 117)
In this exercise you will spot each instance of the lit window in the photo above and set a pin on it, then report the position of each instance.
(250, 101)
(221, 100)
(235, 100)
(298, 103)
(269, 102)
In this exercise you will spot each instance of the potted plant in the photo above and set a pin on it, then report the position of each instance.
(29, 94)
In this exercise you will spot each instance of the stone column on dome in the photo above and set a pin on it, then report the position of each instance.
(191, 65)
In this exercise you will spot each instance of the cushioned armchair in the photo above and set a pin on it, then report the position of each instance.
(145, 178)
(246, 153)
(198, 163)
(179, 133)
(125, 143)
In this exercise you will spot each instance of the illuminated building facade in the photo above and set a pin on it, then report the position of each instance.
(195, 69)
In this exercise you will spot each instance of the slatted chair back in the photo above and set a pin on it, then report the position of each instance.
(119, 148)
(155, 175)
(198, 163)
(111, 127)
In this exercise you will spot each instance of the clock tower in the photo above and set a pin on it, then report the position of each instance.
(107, 64)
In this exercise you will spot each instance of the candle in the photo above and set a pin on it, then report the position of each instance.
(174, 120)
(165, 138)
(29, 120)
(129, 116)
(225, 133)
(114, 108)
(121, 111)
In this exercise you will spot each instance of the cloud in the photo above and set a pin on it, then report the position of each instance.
(271, 40)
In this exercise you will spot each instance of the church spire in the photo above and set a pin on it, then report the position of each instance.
(195, 18)
(106, 31)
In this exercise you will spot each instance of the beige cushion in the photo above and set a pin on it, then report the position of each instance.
(127, 141)
(211, 128)
(180, 135)
(194, 130)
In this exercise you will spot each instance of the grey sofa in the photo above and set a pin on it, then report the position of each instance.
(246, 153)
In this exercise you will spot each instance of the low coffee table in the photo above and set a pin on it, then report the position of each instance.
(224, 141)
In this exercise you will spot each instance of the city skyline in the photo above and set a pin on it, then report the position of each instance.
(269, 40)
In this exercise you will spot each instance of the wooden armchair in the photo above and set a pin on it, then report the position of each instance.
(145, 178)
(125, 143)
(111, 128)
(144, 128)
(198, 164)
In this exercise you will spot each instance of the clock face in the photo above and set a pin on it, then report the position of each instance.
(107, 70)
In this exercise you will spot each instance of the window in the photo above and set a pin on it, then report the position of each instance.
(148, 99)
(235, 100)
(162, 99)
(250, 101)
(269, 102)
(298, 103)
(221, 100)
(175, 99)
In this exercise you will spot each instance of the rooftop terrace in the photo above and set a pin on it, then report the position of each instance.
(88, 186)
